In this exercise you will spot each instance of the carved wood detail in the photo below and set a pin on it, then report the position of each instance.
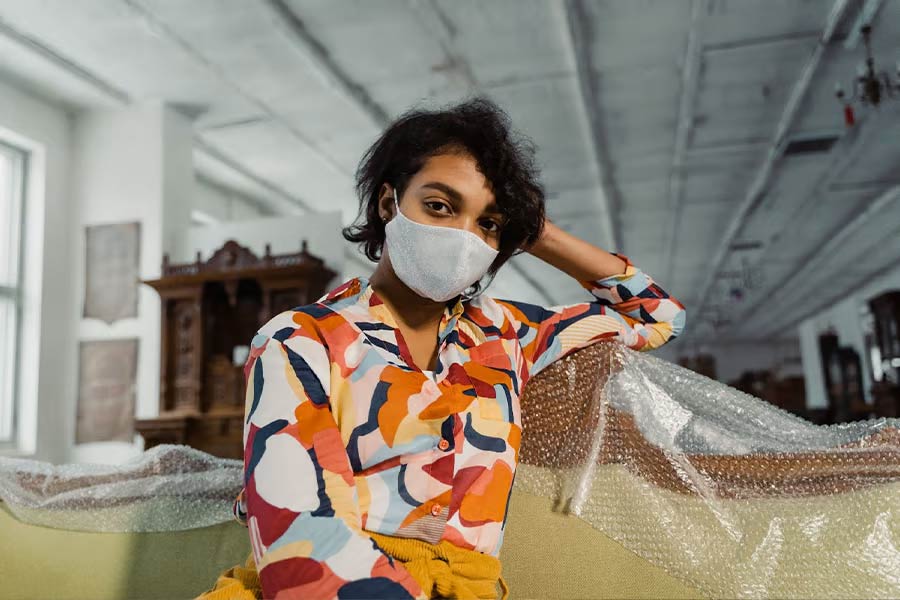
(209, 311)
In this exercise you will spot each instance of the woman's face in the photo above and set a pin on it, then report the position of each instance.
(448, 191)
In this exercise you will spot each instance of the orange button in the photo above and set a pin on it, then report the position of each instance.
(436, 509)
(443, 444)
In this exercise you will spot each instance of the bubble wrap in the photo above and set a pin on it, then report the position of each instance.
(167, 488)
(721, 489)
(728, 492)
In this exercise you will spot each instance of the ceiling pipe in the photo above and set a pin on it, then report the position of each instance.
(757, 187)
(455, 67)
(578, 42)
(320, 62)
(866, 15)
(690, 83)
(761, 42)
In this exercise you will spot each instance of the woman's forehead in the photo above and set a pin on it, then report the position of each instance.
(457, 176)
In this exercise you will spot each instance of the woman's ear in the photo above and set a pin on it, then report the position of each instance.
(386, 202)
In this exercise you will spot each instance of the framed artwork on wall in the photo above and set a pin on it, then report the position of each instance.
(112, 271)
(107, 373)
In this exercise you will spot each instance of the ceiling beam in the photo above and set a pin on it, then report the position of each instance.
(121, 98)
(289, 203)
(843, 154)
(690, 83)
(455, 66)
(862, 186)
(261, 205)
(92, 80)
(776, 148)
(719, 149)
(578, 42)
(761, 42)
(817, 261)
(820, 301)
(166, 32)
(319, 60)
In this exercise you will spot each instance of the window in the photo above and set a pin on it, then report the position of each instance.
(12, 188)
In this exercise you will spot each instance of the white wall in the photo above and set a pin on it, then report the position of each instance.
(113, 166)
(133, 164)
(46, 360)
(845, 319)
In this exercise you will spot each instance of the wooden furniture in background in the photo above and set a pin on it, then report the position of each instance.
(886, 388)
(210, 312)
(842, 373)
(705, 364)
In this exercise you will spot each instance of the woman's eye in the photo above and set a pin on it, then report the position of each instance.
(436, 206)
(496, 225)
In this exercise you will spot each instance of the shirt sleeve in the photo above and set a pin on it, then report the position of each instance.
(301, 504)
(629, 307)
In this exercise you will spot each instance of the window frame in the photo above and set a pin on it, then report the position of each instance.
(19, 158)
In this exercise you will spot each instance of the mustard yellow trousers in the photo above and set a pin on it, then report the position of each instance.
(442, 570)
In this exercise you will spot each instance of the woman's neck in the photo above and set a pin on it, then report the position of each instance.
(408, 307)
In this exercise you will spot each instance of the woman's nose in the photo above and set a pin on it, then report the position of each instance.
(471, 225)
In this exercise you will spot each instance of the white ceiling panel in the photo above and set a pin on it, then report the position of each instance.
(290, 93)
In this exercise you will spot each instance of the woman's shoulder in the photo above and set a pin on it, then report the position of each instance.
(515, 310)
(504, 313)
(288, 323)
(308, 316)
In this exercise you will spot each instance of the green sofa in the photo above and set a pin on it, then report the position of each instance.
(545, 555)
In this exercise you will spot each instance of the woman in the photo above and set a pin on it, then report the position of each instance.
(382, 422)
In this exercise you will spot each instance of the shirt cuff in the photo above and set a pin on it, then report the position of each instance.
(613, 280)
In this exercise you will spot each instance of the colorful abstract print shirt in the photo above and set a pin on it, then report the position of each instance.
(345, 434)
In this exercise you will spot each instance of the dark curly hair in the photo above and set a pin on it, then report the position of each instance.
(477, 127)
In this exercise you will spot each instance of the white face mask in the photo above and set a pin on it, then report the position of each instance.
(436, 262)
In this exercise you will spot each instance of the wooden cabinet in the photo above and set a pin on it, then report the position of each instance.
(210, 312)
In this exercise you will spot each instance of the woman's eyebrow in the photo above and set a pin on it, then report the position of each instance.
(456, 196)
(443, 187)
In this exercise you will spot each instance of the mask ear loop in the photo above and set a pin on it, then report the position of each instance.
(396, 201)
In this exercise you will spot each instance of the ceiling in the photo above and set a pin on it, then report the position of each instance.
(661, 125)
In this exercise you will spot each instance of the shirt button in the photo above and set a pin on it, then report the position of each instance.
(436, 509)
(443, 444)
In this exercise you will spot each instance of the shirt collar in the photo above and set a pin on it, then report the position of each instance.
(369, 299)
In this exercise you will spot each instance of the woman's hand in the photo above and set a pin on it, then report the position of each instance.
(578, 258)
